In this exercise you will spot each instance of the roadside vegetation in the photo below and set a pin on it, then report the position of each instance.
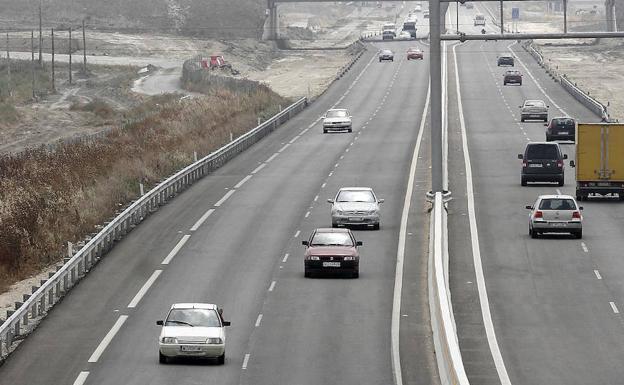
(50, 197)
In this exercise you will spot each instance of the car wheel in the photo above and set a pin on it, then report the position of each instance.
(350, 130)
(522, 119)
(504, 83)
(162, 359)
(533, 233)
(520, 83)
(561, 181)
(356, 274)
(376, 226)
(548, 138)
(221, 359)
(579, 234)
(324, 131)
(306, 274)
(523, 181)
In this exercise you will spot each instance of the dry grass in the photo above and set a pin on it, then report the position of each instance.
(49, 198)
(97, 106)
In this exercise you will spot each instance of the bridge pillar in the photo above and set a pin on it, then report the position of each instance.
(610, 15)
(272, 23)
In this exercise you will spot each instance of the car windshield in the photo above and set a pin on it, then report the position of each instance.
(513, 72)
(355, 196)
(480, 17)
(193, 317)
(413, 50)
(336, 113)
(386, 52)
(331, 239)
(542, 151)
(557, 204)
(534, 103)
(564, 122)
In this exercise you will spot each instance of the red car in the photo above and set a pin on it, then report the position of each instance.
(415, 53)
(332, 251)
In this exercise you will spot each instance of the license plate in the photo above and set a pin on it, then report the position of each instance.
(355, 219)
(563, 133)
(190, 348)
(604, 184)
(559, 224)
(535, 165)
(331, 264)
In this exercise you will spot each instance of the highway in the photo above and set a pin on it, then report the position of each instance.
(235, 239)
(554, 301)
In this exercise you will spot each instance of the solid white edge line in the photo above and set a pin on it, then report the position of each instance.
(398, 277)
(263, 165)
(148, 284)
(242, 182)
(201, 220)
(476, 251)
(597, 273)
(615, 309)
(175, 250)
(245, 361)
(107, 339)
(225, 197)
(259, 320)
(82, 378)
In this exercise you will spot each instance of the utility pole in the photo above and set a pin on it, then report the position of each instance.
(84, 48)
(32, 61)
(8, 66)
(53, 75)
(70, 55)
(40, 36)
(435, 69)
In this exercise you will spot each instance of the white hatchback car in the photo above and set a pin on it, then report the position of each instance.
(355, 206)
(337, 119)
(192, 330)
(555, 214)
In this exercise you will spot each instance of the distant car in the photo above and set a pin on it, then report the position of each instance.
(192, 330)
(355, 206)
(479, 20)
(388, 35)
(469, 5)
(542, 162)
(405, 35)
(331, 251)
(415, 53)
(386, 54)
(337, 119)
(512, 77)
(534, 110)
(505, 61)
(555, 214)
(426, 14)
(561, 129)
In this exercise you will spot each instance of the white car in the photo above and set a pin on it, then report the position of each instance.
(337, 119)
(355, 206)
(192, 330)
(555, 214)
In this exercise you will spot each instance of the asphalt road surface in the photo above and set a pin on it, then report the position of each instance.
(246, 255)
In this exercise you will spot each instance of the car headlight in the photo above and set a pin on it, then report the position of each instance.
(314, 258)
(169, 340)
(339, 212)
(372, 212)
(214, 341)
(349, 258)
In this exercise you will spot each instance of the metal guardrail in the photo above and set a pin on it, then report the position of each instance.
(448, 355)
(36, 305)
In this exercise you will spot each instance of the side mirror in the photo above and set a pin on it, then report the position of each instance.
(545, 124)
(547, 106)
(528, 207)
(519, 106)
(520, 156)
(330, 201)
(159, 323)
(358, 243)
(305, 243)
(565, 156)
(581, 208)
(226, 323)
(572, 164)
(381, 200)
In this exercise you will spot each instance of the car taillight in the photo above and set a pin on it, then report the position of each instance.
(576, 215)
(538, 214)
(524, 163)
(560, 163)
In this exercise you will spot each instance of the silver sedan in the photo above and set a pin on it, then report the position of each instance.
(555, 214)
(355, 206)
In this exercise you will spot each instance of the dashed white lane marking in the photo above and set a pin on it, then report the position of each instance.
(263, 165)
(258, 320)
(297, 233)
(316, 198)
(351, 144)
(615, 309)
(245, 361)
(175, 250)
(597, 273)
(201, 220)
(341, 157)
(272, 287)
(148, 284)
(293, 140)
(225, 197)
(283, 148)
(347, 150)
(336, 165)
(304, 131)
(107, 339)
(242, 182)
(584, 247)
(323, 185)
(272, 157)
(558, 191)
(285, 258)
(330, 174)
(82, 378)
(307, 214)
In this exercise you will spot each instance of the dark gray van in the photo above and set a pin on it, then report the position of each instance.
(542, 162)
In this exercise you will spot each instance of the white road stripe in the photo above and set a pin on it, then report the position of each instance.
(263, 165)
(175, 250)
(150, 281)
(584, 247)
(272, 157)
(476, 251)
(285, 147)
(272, 287)
(201, 220)
(336, 165)
(82, 378)
(615, 309)
(307, 214)
(330, 174)
(293, 140)
(558, 192)
(258, 320)
(245, 361)
(107, 339)
(323, 185)
(597, 273)
(316, 198)
(242, 182)
(285, 258)
(297, 233)
(225, 197)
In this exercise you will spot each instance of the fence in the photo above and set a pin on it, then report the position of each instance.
(36, 305)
